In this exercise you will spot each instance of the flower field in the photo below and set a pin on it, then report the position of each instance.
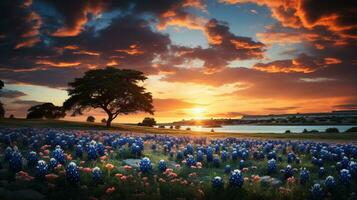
(79, 164)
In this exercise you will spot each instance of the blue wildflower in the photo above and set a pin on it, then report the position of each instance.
(53, 163)
(162, 165)
(58, 154)
(217, 182)
(92, 153)
(32, 159)
(15, 162)
(345, 177)
(97, 175)
(216, 162)
(316, 191)
(227, 169)
(41, 169)
(330, 183)
(236, 178)
(271, 165)
(72, 173)
(304, 176)
(190, 161)
(145, 165)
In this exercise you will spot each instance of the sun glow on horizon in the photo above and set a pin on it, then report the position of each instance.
(198, 112)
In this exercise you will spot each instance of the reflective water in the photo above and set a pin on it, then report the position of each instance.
(268, 128)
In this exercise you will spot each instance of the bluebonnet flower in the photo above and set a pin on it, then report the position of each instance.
(15, 162)
(92, 153)
(353, 169)
(338, 166)
(145, 165)
(271, 155)
(97, 175)
(316, 191)
(72, 173)
(217, 182)
(41, 169)
(58, 154)
(227, 169)
(153, 147)
(304, 176)
(189, 149)
(79, 151)
(209, 154)
(291, 157)
(271, 165)
(32, 159)
(241, 164)
(345, 177)
(162, 165)
(135, 149)
(236, 178)
(224, 155)
(190, 161)
(322, 171)
(330, 183)
(53, 163)
(8, 153)
(344, 162)
(234, 155)
(288, 171)
(199, 156)
(216, 162)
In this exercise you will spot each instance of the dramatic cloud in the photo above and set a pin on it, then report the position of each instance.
(11, 94)
(303, 63)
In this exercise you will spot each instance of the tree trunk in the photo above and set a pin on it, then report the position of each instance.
(109, 121)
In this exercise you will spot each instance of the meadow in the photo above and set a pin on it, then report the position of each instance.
(70, 160)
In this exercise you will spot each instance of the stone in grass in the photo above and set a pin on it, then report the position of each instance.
(268, 180)
(26, 194)
(132, 162)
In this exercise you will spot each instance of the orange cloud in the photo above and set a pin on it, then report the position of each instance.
(132, 50)
(90, 53)
(31, 36)
(336, 16)
(75, 26)
(58, 64)
(332, 61)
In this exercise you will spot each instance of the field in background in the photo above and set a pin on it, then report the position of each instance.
(61, 124)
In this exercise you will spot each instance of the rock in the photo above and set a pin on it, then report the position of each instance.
(26, 194)
(132, 162)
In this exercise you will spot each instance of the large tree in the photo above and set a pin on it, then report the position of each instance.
(2, 110)
(46, 110)
(116, 91)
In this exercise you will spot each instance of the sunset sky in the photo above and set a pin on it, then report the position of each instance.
(203, 59)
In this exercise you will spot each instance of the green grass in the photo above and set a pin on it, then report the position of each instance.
(139, 129)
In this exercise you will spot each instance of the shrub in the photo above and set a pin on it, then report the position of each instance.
(104, 121)
(90, 119)
(148, 121)
(332, 130)
(351, 130)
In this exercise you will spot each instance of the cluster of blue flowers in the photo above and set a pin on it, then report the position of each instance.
(145, 165)
(72, 173)
(236, 178)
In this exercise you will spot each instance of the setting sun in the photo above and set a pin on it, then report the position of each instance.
(198, 112)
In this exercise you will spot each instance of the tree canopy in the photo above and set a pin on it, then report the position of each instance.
(46, 110)
(116, 91)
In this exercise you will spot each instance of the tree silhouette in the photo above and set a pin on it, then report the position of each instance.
(2, 110)
(90, 119)
(148, 121)
(116, 91)
(46, 110)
